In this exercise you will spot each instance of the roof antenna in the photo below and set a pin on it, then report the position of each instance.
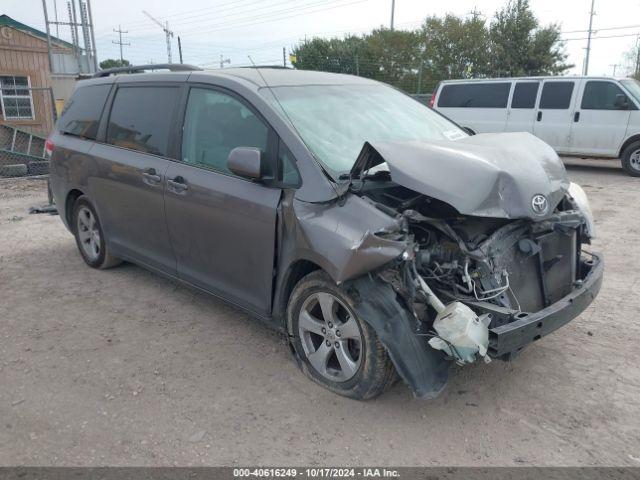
(324, 170)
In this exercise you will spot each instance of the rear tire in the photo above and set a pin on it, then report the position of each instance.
(338, 350)
(90, 237)
(631, 159)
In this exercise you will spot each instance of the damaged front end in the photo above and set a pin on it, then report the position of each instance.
(469, 285)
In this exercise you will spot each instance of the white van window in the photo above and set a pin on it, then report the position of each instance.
(556, 95)
(601, 96)
(524, 95)
(633, 86)
(475, 95)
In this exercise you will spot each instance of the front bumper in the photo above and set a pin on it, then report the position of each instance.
(510, 338)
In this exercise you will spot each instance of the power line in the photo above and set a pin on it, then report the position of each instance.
(225, 26)
(603, 29)
(270, 15)
(601, 37)
(173, 16)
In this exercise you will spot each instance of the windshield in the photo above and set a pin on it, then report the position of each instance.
(334, 121)
(633, 86)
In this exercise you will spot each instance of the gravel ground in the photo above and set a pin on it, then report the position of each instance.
(122, 367)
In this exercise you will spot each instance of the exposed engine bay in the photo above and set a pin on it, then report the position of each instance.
(465, 274)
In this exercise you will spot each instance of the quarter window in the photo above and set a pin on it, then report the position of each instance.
(141, 118)
(475, 95)
(287, 172)
(524, 95)
(81, 115)
(601, 96)
(16, 102)
(216, 123)
(556, 95)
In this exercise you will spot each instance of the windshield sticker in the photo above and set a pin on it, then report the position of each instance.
(453, 134)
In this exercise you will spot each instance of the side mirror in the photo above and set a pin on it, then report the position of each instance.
(621, 102)
(245, 162)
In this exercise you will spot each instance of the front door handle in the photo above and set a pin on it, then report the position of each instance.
(576, 117)
(539, 116)
(177, 185)
(151, 177)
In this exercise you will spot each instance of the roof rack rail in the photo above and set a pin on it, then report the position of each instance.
(172, 67)
(279, 67)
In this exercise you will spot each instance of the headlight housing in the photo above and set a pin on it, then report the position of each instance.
(581, 202)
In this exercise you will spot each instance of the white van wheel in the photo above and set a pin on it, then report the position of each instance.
(631, 159)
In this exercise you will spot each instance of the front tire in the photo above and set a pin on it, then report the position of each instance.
(90, 237)
(631, 159)
(336, 349)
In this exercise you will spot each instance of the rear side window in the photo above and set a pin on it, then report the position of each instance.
(475, 95)
(556, 95)
(601, 96)
(81, 114)
(524, 95)
(141, 118)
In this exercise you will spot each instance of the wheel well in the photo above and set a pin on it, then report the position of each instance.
(628, 142)
(72, 196)
(297, 270)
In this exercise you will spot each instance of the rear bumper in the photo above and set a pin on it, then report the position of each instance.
(512, 337)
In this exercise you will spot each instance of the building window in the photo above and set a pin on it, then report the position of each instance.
(16, 101)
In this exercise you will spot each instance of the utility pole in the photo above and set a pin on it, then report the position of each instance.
(180, 49)
(284, 56)
(168, 33)
(586, 61)
(638, 57)
(224, 60)
(615, 66)
(393, 10)
(120, 42)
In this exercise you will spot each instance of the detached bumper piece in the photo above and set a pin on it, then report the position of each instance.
(508, 339)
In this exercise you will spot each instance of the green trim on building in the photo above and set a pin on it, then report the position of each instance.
(7, 21)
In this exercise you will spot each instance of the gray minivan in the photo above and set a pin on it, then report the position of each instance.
(374, 233)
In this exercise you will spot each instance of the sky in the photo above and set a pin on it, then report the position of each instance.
(237, 29)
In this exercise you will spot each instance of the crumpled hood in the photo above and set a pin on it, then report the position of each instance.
(488, 175)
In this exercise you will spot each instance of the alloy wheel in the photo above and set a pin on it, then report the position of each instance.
(88, 233)
(330, 337)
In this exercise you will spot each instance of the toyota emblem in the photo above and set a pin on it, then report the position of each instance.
(539, 204)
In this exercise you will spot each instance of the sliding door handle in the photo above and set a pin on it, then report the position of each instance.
(177, 185)
(576, 117)
(151, 177)
(539, 117)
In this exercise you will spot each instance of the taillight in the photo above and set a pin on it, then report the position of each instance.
(48, 148)
(432, 100)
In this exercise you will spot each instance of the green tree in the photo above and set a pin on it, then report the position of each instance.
(333, 55)
(453, 47)
(520, 47)
(112, 63)
(512, 44)
(386, 55)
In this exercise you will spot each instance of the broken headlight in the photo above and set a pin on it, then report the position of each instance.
(581, 202)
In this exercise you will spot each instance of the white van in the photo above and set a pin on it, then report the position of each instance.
(578, 116)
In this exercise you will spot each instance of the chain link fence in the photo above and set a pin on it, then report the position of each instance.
(27, 115)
